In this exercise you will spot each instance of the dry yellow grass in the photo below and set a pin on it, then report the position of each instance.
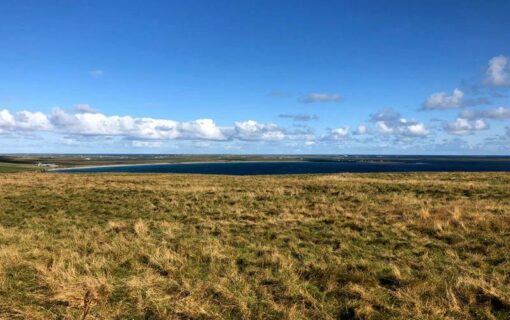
(353, 246)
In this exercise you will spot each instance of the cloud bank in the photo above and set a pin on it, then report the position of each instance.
(86, 122)
(390, 122)
(462, 126)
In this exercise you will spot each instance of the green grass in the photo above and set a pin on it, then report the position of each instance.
(15, 167)
(350, 246)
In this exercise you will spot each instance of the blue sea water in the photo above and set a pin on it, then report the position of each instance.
(305, 167)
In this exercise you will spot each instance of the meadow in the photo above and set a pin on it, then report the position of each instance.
(344, 246)
(17, 167)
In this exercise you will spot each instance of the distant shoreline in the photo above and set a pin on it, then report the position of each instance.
(161, 163)
(110, 166)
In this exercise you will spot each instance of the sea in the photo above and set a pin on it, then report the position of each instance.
(243, 168)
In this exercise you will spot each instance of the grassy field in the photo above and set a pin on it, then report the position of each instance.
(17, 167)
(351, 246)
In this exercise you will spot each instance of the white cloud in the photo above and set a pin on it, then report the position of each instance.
(201, 129)
(390, 122)
(416, 130)
(23, 121)
(7, 121)
(146, 144)
(494, 113)
(498, 72)
(97, 73)
(402, 128)
(441, 100)
(384, 128)
(340, 133)
(361, 129)
(497, 113)
(137, 128)
(462, 126)
(252, 130)
(31, 121)
(85, 123)
(321, 97)
(92, 123)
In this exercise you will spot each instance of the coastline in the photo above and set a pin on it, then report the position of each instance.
(110, 166)
(158, 163)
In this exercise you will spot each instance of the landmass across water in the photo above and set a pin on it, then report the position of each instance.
(249, 164)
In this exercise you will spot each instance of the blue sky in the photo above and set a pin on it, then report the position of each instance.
(371, 77)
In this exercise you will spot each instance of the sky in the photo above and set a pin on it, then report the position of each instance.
(255, 77)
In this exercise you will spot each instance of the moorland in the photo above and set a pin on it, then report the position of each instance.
(344, 246)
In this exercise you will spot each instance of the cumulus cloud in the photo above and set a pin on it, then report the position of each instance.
(26, 120)
(462, 126)
(298, 117)
(361, 129)
(127, 126)
(414, 130)
(441, 100)
(23, 121)
(383, 128)
(340, 133)
(498, 72)
(321, 97)
(390, 122)
(7, 121)
(252, 130)
(494, 113)
(144, 132)
(203, 129)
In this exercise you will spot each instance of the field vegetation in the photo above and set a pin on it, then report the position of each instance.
(6, 167)
(347, 246)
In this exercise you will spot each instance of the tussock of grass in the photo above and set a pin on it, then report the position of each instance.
(353, 246)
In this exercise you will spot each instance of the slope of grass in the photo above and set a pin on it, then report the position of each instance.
(352, 246)
(15, 167)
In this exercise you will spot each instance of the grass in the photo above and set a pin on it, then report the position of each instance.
(351, 246)
(16, 167)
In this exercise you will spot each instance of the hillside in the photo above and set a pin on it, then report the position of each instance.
(349, 246)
